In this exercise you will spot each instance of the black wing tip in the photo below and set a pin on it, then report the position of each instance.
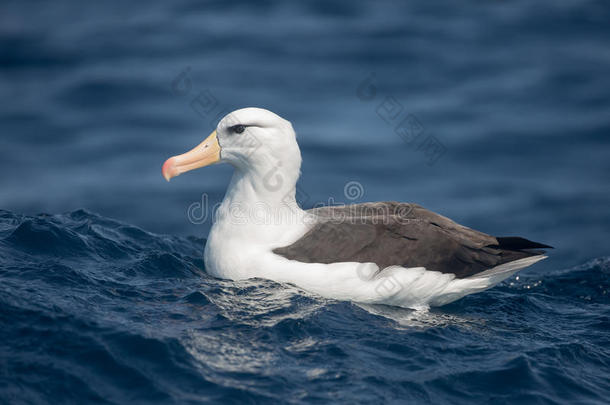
(518, 243)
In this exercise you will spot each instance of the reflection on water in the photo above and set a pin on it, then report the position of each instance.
(262, 303)
(422, 318)
(229, 352)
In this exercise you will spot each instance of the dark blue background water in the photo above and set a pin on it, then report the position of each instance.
(93, 309)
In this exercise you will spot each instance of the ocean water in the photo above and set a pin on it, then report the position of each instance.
(95, 310)
(496, 114)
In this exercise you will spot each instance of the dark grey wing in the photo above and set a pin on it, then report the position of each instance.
(391, 233)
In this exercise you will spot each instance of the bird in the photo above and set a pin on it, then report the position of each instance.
(390, 253)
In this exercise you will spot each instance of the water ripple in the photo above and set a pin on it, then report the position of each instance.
(107, 312)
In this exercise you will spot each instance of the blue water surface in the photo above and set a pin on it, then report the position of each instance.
(496, 114)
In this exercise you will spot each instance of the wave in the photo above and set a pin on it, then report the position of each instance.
(95, 310)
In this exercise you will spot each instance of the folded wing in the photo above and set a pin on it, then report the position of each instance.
(392, 233)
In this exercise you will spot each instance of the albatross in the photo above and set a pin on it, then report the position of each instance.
(389, 253)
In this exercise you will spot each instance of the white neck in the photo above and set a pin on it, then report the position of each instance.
(267, 184)
(260, 202)
(258, 213)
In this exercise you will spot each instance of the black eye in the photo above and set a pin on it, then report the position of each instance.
(238, 129)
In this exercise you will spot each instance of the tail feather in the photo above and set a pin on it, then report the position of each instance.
(482, 281)
(505, 270)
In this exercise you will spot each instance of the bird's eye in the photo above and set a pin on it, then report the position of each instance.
(238, 129)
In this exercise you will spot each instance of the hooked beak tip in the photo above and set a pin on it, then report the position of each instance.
(168, 169)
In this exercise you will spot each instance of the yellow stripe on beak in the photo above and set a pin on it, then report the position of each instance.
(204, 154)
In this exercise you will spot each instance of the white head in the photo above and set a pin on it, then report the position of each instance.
(257, 142)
